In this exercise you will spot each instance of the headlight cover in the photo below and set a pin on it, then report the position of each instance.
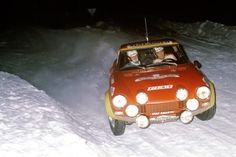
(182, 94)
(141, 98)
(203, 92)
(119, 101)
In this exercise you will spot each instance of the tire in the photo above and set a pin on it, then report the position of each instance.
(117, 126)
(207, 115)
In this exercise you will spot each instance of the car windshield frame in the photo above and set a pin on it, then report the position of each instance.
(178, 51)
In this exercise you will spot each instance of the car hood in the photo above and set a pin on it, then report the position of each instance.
(160, 84)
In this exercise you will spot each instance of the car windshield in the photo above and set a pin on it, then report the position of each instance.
(152, 57)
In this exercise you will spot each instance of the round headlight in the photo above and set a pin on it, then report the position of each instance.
(182, 94)
(192, 104)
(131, 110)
(141, 98)
(142, 121)
(186, 117)
(203, 92)
(119, 101)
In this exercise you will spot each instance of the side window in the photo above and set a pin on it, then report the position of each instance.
(182, 55)
(123, 59)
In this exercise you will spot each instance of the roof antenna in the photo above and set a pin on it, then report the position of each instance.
(146, 28)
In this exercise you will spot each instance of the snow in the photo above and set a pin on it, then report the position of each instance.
(33, 124)
(61, 112)
(208, 31)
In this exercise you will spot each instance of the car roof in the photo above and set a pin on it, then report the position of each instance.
(149, 44)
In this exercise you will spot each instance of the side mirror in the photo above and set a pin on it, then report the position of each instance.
(197, 64)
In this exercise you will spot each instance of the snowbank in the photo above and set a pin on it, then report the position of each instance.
(33, 125)
(206, 31)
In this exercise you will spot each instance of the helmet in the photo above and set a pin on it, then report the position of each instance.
(158, 49)
(132, 53)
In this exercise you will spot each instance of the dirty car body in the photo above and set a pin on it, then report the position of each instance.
(157, 92)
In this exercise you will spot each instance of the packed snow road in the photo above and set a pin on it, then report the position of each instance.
(72, 67)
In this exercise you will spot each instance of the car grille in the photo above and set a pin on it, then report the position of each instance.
(162, 107)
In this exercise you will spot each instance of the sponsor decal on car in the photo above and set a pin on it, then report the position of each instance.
(156, 77)
(161, 113)
(160, 87)
(149, 44)
(166, 118)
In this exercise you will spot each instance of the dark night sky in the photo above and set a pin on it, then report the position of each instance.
(73, 13)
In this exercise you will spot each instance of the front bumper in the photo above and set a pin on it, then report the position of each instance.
(160, 118)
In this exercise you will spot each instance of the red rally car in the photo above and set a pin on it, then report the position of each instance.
(154, 82)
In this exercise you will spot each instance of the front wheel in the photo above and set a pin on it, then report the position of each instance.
(208, 114)
(117, 126)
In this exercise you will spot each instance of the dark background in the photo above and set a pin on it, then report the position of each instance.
(67, 14)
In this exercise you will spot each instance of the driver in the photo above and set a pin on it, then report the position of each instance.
(133, 57)
(160, 55)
